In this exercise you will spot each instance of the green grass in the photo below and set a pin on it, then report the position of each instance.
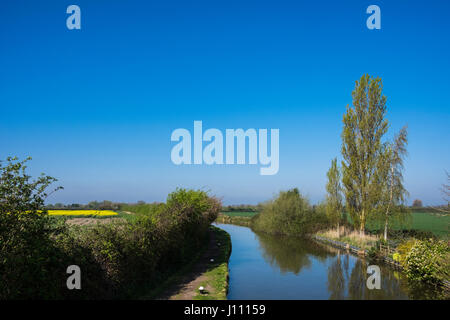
(217, 275)
(437, 223)
(236, 220)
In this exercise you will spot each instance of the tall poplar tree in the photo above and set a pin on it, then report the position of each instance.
(364, 126)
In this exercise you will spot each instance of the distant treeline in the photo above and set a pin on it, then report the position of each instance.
(430, 209)
(101, 205)
(143, 207)
(138, 207)
(242, 208)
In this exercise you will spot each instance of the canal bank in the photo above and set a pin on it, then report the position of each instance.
(384, 252)
(209, 271)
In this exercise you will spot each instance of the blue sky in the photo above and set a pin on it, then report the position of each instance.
(96, 107)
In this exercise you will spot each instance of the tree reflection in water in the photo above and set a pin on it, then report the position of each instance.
(290, 254)
(346, 273)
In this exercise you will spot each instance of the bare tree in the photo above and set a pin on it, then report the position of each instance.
(446, 189)
(446, 192)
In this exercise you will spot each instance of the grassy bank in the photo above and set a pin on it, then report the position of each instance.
(216, 277)
(200, 271)
(422, 260)
(236, 220)
(350, 237)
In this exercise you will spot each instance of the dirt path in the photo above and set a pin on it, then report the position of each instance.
(187, 287)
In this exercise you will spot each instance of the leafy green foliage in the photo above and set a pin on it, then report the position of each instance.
(426, 260)
(29, 258)
(372, 168)
(403, 249)
(334, 206)
(137, 255)
(117, 260)
(290, 214)
(364, 127)
(393, 193)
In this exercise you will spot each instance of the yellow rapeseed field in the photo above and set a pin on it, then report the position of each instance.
(102, 213)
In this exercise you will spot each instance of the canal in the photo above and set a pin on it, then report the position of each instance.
(262, 266)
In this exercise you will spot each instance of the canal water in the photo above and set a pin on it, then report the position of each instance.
(262, 266)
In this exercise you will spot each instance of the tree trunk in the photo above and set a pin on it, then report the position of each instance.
(391, 196)
(338, 231)
(362, 225)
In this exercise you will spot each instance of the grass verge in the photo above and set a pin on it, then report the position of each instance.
(236, 220)
(216, 277)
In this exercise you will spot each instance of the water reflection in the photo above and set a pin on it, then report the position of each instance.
(273, 267)
(290, 254)
(337, 278)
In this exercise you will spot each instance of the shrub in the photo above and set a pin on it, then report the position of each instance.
(137, 255)
(122, 259)
(29, 258)
(403, 250)
(290, 214)
(427, 260)
(373, 253)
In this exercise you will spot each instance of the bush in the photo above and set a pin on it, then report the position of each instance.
(29, 259)
(290, 214)
(427, 260)
(403, 250)
(373, 253)
(137, 255)
(122, 259)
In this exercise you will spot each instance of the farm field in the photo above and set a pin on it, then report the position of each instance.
(437, 223)
(92, 213)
